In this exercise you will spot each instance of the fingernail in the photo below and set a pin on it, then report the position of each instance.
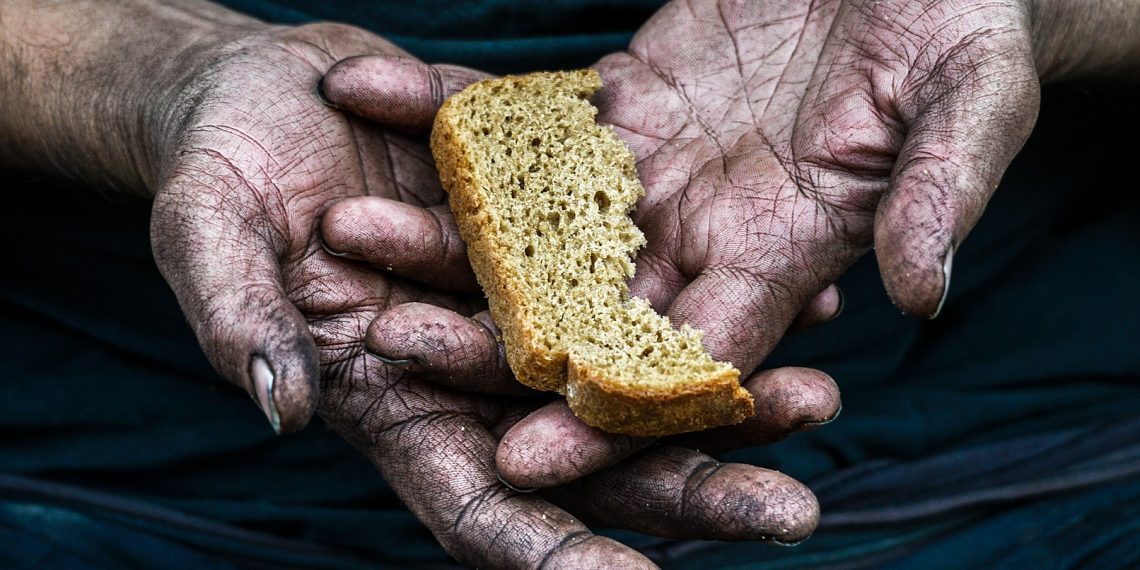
(392, 361)
(823, 422)
(329, 250)
(320, 92)
(842, 303)
(512, 487)
(778, 542)
(263, 378)
(947, 265)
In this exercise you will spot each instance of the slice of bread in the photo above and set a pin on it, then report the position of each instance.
(542, 196)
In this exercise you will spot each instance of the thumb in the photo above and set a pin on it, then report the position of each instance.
(962, 133)
(226, 277)
(393, 90)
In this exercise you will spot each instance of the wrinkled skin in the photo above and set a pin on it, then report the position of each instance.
(778, 142)
(817, 130)
(259, 159)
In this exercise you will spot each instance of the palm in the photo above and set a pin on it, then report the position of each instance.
(766, 135)
(259, 161)
(277, 158)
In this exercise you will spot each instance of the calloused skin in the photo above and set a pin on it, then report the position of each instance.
(778, 142)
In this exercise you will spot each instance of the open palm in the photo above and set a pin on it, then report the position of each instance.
(779, 141)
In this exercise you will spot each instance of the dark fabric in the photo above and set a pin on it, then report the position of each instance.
(499, 36)
(998, 435)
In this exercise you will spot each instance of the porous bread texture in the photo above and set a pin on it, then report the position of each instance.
(542, 196)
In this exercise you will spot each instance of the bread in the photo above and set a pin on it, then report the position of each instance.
(542, 196)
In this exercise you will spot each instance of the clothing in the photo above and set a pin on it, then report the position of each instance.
(499, 36)
(1001, 433)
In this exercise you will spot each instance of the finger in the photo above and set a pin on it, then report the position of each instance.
(413, 242)
(788, 400)
(681, 493)
(436, 453)
(551, 447)
(656, 279)
(444, 347)
(392, 90)
(227, 279)
(963, 129)
(743, 314)
(825, 306)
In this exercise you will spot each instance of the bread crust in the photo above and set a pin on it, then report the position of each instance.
(647, 412)
(532, 363)
(599, 401)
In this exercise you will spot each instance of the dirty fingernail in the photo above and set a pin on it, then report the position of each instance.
(947, 265)
(512, 487)
(842, 303)
(330, 251)
(392, 361)
(320, 92)
(263, 379)
(773, 540)
(812, 424)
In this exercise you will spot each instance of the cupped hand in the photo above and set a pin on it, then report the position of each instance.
(256, 160)
(777, 143)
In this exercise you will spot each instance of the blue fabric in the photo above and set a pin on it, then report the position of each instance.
(500, 36)
(998, 435)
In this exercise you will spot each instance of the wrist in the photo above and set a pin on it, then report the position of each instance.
(163, 111)
(1075, 39)
(91, 88)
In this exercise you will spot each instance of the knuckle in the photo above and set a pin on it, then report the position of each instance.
(226, 320)
(445, 243)
(484, 530)
(556, 557)
(436, 88)
(691, 496)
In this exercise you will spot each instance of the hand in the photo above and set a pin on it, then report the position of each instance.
(778, 142)
(235, 232)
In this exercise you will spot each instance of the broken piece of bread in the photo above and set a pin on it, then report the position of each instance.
(542, 196)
